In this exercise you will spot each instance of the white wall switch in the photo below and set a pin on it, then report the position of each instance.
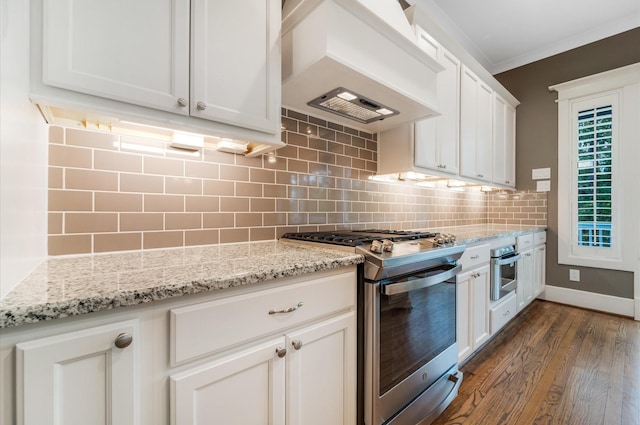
(540, 173)
(574, 275)
(543, 185)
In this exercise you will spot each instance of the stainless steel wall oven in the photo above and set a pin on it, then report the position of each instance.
(408, 350)
(504, 271)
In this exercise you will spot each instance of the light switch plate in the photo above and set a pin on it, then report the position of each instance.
(540, 173)
(543, 185)
(574, 275)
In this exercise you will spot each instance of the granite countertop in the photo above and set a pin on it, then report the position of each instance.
(69, 286)
(482, 232)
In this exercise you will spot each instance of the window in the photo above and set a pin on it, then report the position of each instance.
(594, 176)
(598, 169)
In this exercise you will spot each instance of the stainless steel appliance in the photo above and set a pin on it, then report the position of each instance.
(504, 271)
(409, 371)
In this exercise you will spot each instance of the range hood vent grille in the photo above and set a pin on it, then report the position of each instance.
(351, 105)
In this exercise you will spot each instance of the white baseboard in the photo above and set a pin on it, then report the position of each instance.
(593, 301)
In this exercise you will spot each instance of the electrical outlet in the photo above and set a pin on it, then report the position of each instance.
(574, 275)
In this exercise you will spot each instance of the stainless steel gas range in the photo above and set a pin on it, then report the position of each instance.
(408, 349)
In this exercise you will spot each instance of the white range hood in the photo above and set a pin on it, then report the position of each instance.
(365, 48)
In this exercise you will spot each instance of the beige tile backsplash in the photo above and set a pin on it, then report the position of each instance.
(114, 193)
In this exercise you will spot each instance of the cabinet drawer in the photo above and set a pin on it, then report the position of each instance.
(539, 238)
(524, 242)
(475, 255)
(503, 312)
(211, 326)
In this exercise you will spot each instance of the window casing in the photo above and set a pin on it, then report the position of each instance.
(598, 169)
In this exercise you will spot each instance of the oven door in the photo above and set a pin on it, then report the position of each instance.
(504, 275)
(413, 344)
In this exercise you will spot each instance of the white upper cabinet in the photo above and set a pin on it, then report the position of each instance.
(204, 66)
(504, 142)
(476, 127)
(235, 70)
(136, 52)
(430, 144)
(437, 139)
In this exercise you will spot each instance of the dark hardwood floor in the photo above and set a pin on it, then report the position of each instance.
(553, 364)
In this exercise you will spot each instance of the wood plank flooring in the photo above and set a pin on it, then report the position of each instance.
(553, 364)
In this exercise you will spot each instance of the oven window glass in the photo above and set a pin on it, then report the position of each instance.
(508, 272)
(415, 327)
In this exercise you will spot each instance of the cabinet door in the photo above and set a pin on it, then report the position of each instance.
(524, 290)
(235, 68)
(484, 142)
(504, 121)
(243, 388)
(79, 378)
(510, 147)
(131, 51)
(468, 122)
(321, 373)
(499, 154)
(539, 267)
(464, 313)
(476, 127)
(480, 288)
(437, 139)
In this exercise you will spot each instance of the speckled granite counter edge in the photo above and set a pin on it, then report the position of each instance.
(16, 309)
(496, 234)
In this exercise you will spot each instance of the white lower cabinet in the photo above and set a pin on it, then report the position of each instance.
(247, 387)
(501, 312)
(531, 268)
(539, 269)
(282, 352)
(473, 308)
(524, 290)
(90, 376)
(305, 377)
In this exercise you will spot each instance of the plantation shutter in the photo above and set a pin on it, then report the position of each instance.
(594, 179)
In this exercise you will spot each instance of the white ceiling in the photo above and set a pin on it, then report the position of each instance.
(505, 34)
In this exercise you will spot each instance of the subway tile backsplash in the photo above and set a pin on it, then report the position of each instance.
(112, 192)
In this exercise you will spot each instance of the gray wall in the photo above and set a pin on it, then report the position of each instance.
(537, 140)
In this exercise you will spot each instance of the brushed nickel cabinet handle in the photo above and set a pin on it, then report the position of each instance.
(508, 312)
(182, 102)
(123, 340)
(475, 257)
(281, 352)
(287, 310)
(201, 106)
(297, 344)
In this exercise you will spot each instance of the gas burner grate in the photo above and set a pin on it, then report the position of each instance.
(358, 237)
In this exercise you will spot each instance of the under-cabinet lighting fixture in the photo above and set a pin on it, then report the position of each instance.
(271, 157)
(486, 189)
(426, 183)
(188, 141)
(455, 183)
(231, 146)
(384, 178)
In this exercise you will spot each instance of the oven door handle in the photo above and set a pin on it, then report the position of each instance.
(508, 260)
(412, 285)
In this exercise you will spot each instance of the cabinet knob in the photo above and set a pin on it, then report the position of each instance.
(123, 340)
(297, 344)
(201, 106)
(507, 181)
(444, 166)
(506, 313)
(480, 175)
(475, 257)
(281, 352)
(182, 102)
